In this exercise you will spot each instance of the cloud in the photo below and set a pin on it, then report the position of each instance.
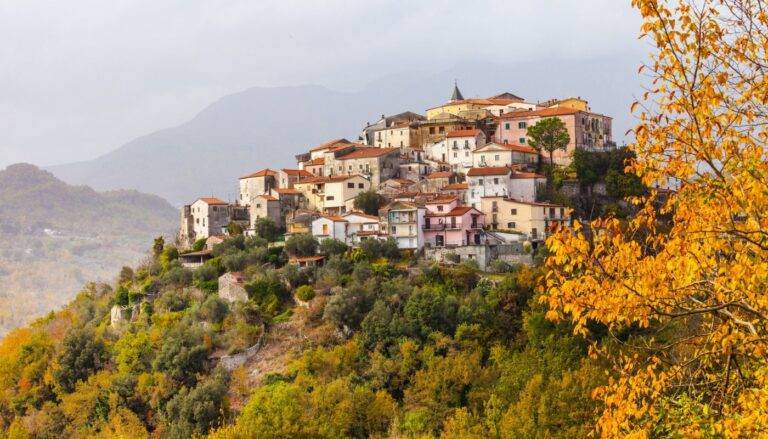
(79, 78)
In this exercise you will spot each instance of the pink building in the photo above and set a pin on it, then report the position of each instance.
(586, 130)
(448, 224)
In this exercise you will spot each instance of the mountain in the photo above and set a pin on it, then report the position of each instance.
(53, 233)
(265, 127)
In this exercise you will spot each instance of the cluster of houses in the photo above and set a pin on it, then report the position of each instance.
(460, 179)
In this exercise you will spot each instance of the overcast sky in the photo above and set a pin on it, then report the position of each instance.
(79, 78)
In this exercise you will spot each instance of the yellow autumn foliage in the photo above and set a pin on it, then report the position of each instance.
(686, 278)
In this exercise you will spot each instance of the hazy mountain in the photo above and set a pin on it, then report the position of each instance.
(56, 236)
(262, 127)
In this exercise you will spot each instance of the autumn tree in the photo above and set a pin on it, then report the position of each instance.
(681, 286)
(549, 134)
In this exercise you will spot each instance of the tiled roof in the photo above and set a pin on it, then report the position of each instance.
(441, 174)
(316, 162)
(287, 191)
(456, 211)
(402, 181)
(297, 172)
(329, 144)
(332, 179)
(521, 175)
(361, 214)
(442, 199)
(463, 133)
(212, 201)
(508, 146)
(546, 112)
(267, 197)
(306, 258)
(490, 170)
(455, 187)
(262, 173)
(334, 218)
(364, 153)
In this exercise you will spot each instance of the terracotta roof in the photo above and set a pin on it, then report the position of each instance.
(306, 258)
(286, 190)
(441, 174)
(212, 201)
(442, 199)
(332, 179)
(267, 197)
(463, 133)
(456, 211)
(315, 162)
(298, 172)
(402, 180)
(329, 144)
(489, 170)
(262, 173)
(455, 187)
(509, 146)
(530, 203)
(364, 153)
(526, 175)
(361, 214)
(546, 112)
(334, 218)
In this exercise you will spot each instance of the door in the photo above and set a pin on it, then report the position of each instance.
(439, 241)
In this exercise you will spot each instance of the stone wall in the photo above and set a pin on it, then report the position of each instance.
(232, 362)
(512, 253)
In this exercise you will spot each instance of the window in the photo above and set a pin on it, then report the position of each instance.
(506, 126)
(480, 182)
(521, 140)
(197, 220)
(496, 157)
(455, 144)
(439, 208)
(466, 144)
(431, 130)
(350, 185)
(455, 155)
(466, 154)
(511, 225)
(562, 212)
(325, 229)
(522, 125)
(258, 205)
(329, 198)
(394, 229)
(360, 186)
(513, 211)
(495, 180)
(441, 129)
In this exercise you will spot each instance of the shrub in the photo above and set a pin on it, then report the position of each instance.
(368, 202)
(333, 247)
(266, 228)
(499, 266)
(301, 245)
(199, 245)
(305, 293)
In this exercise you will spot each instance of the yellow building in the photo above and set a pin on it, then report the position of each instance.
(472, 109)
(574, 103)
(536, 220)
(333, 195)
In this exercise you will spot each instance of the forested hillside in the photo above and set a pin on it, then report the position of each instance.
(388, 346)
(56, 237)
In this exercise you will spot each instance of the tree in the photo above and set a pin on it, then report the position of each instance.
(301, 245)
(266, 229)
(332, 247)
(158, 245)
(682, 284)
(549, 134)
(368, 202)
(82, 353)
(234, 229)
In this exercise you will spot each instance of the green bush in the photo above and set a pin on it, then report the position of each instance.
(305, 293)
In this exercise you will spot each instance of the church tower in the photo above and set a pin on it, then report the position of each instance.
(456, 96)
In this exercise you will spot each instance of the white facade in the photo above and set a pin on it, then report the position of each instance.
(494, 154)
(487, 184)
(524, 186)
(330, 227)
(361, 226)
(405, 223)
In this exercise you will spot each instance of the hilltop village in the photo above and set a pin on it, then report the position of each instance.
(468, 180)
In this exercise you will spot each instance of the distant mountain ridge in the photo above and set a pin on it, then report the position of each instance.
(56, 236)
(266, 127)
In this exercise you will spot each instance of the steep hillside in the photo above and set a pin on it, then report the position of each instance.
(54, 234)
(266, 127)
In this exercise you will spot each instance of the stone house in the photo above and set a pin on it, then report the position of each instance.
(205, 217)
(333, 195)
(232, 287)
(376, 164)
(506, 154)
